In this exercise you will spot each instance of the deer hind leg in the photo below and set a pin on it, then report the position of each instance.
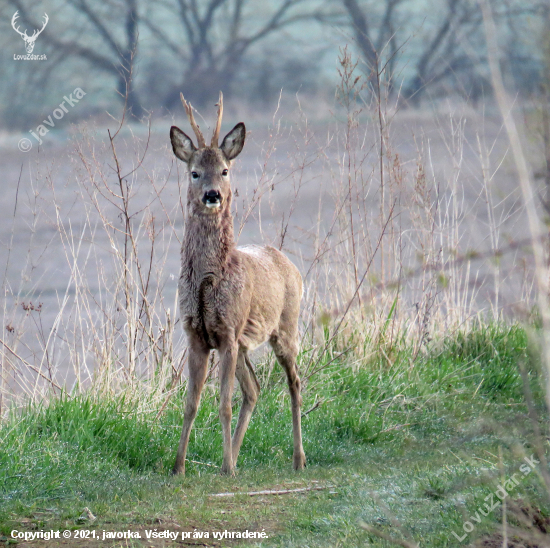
(198, 364)
(228, 364)
(286, 350)
(250, 388)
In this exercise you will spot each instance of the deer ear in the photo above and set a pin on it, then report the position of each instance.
(233, 142)
(182, 145)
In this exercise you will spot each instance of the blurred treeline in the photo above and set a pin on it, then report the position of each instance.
(150, 50)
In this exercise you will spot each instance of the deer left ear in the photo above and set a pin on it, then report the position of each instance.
(182, 146)
(233, 142)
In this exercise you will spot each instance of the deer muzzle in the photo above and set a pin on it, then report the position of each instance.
(212, 199)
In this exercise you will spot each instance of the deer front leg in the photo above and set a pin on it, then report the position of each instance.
(198, 365)
(227, 378)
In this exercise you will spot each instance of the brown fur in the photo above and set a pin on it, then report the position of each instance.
(231, 299)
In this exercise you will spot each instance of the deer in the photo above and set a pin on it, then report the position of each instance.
(232, 299)
(29, 40)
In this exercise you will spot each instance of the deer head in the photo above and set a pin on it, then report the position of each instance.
(29, 40)
(209, 190)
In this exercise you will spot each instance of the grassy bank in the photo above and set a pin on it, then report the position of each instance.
(406, 447)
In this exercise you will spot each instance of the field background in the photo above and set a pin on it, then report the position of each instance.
(380, 157)
(292, 186)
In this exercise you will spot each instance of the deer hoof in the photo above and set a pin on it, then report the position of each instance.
(299, 461)
(227, 470)
(178, 470)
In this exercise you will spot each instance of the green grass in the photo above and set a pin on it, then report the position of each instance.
(393, 440)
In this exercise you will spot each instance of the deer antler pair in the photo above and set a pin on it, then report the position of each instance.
(200, 137)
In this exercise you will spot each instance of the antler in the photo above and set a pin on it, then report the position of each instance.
(187, 106)
(216, 134)
(16, 29)
(37, 32)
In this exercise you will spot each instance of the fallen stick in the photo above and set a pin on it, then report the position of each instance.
(274, 492)
(203, 463)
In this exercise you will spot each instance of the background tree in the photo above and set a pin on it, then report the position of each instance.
(443, 43)
(106, 38)
(153, 50)
(372, 45)
(209, 40)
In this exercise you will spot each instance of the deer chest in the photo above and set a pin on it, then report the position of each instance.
(209, 309)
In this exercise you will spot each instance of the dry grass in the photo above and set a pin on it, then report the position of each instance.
(398, 240)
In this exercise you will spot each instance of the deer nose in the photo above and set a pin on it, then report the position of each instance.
(212, 198)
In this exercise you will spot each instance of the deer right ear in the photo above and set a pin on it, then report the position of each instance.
(182, 145)
(233, 142)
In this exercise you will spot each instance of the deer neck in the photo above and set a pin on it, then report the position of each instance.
(208, 244)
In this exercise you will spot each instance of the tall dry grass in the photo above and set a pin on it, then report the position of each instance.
(402, 248)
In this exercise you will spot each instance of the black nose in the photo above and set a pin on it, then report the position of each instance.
(212, 197)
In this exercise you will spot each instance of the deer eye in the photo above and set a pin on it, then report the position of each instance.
(195, 175)
(225, 172)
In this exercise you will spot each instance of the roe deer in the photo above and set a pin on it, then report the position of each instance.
(232, 299)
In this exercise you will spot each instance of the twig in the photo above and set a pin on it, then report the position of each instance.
(396, 427)
(32, 367)
(350, 302)
(172, 390)
(274, 492)
(315, 406)
(325, 365)
(444, 266)
(202, 463)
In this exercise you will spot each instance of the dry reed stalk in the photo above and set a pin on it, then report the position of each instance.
(535, 226)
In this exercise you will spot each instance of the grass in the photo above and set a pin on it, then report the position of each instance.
(400, 446)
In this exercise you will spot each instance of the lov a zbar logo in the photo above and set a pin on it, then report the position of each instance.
(29, 40)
